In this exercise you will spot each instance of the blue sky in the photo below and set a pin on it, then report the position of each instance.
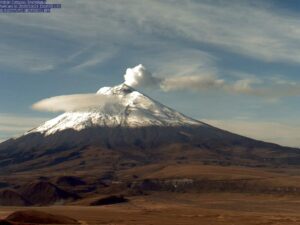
(251, 47)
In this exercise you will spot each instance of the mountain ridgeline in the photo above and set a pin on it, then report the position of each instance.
(132, 129)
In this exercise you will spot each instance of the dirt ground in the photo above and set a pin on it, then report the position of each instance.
(186, 209)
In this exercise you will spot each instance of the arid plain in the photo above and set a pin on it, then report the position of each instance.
(187, 194)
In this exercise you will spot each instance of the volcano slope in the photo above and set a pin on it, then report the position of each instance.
(131, 130)
(122, 148)
(133, 146)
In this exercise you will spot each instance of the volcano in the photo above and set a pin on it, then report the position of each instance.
(133, 129)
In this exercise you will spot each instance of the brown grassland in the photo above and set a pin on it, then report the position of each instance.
(268, 196)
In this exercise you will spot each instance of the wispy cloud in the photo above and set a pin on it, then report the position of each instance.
(250, 29)
(91, 56)
(14, 125)
(255, 30)
(192, 82)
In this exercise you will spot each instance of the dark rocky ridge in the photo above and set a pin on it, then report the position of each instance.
(46, 193)
(109, 200)
(38, 217)
(12, 198)
(36, 193)
(70, 181)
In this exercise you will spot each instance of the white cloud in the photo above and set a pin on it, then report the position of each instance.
(192, 83)
(140, 77)
(75, 102)
(275, 132)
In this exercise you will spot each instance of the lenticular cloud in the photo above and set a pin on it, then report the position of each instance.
(76, 102)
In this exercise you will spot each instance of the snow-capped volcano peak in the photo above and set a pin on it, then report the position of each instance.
(125, 107)
(121, 89)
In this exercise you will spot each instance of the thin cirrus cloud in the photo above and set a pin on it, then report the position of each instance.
(249, 29)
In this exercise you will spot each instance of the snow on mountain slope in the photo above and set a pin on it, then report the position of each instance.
(127, 108)
(128, 129)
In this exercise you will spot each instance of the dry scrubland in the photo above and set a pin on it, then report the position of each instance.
(182, 194)
(181, 209)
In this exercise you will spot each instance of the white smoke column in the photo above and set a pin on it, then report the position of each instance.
(139, 76)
